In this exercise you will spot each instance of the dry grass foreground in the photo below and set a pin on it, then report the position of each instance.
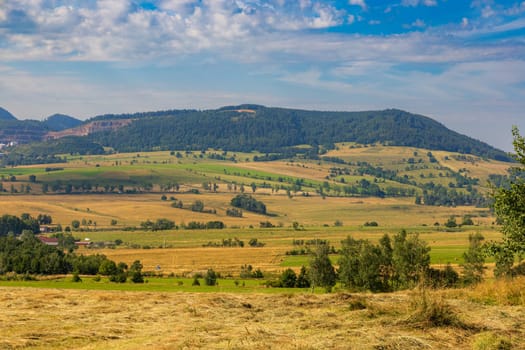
(33, 318)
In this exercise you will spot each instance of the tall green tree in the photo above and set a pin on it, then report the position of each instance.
(410, 258)
(474, 260)
(360, 265)
(322, 272)
(509, 207)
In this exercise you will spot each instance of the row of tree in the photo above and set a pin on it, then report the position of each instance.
(392, 264)
(26, 254)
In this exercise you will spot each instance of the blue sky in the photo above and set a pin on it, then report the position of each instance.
(460, 62)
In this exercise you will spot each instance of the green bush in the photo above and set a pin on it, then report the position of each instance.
(288, 279)
(247, 202)
(210, 279)
(76, 278)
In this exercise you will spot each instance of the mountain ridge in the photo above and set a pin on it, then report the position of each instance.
(249, 127)
(271, 130)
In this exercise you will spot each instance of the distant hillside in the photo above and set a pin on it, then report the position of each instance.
(275, 130)
(21, 131)
(5, 115)
(59, 122)
(90, 127)
(45, 152)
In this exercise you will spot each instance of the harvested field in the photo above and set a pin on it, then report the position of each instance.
(32, 318)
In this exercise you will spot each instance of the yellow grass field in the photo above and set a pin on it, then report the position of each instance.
(131, 210)
(184, 261)
(182, 251)
(32, 318)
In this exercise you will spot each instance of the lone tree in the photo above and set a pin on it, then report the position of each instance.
(509, 206)
(474, 260)
(322, 272)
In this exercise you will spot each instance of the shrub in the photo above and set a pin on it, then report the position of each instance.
(255, 243)
(467, 221)
(198, 206)
(247, 271)
(194, 225)
(432, 311)
(136, 272)
(119, 277)
(234, 212)
(247, 202)
(107, 267)
(302, 279)
(76, 278)
(445, 278)
(288, 278)
(266, 224)
(451, 223)
(215, 225)
(371, 224)
(210, 279)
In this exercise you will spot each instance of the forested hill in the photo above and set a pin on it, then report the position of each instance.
(273, 130)
(59, 122)
(5, 115)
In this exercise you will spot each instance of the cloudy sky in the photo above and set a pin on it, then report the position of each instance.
(461, 62)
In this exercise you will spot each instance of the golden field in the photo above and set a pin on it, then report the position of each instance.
(131, 210)
(489, 316)
(32, 318)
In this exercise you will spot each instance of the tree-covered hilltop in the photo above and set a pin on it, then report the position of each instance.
(249, 128)
(5, 115)
(273, 130)
(58, 122)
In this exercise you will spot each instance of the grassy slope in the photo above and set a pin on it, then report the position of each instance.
(133, 169)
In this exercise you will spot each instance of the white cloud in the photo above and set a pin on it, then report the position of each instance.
(313, 78)
(115, 30)
(418, 23)
(414, 3)
(305, 4)
(273, 34)
(516, 9)
(360, 3)
(487, 12)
